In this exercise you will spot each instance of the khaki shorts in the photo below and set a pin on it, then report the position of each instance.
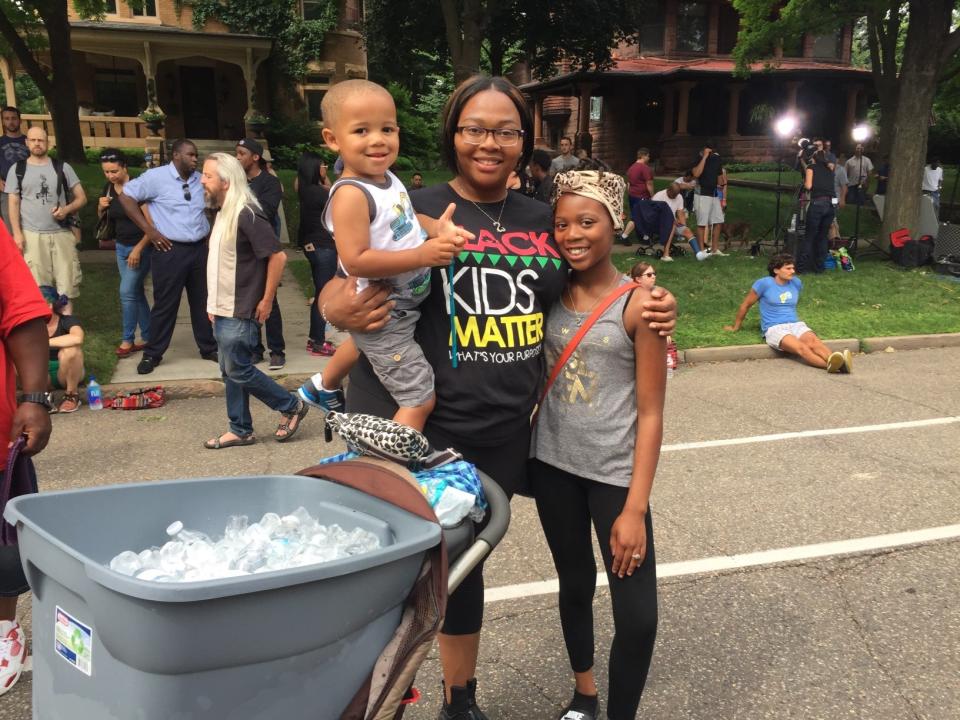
(708, 210)
(52, 258)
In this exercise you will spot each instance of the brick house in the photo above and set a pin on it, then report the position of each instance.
(672, 87)
(208, 82)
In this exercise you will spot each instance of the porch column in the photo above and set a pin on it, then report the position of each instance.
(250, 79)
(150, 73)
(713, 31)
(733, 108)
(793, 86)
(538, 121)
(850, 119)
(7, 69)
(584, 140)
(668, 95)
(684, 88)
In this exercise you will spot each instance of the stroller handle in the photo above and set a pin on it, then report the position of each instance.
(489, 537)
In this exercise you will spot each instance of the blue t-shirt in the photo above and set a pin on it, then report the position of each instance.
(12, 151)
(778, 303)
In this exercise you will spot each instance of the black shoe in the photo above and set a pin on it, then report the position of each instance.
(582, 707)
(463, 704)
(257, 358)
(277, 361)
(211, 356)
(147, 364)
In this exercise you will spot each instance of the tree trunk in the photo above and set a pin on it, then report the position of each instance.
(464, 36)
(62, 101)
(927, 37)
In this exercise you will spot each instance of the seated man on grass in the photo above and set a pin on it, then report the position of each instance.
(66, 350)
(778, 296)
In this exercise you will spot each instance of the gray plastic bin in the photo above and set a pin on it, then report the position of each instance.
(281, 645)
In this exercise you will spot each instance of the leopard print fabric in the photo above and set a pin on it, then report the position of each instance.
(605, 187)
(370, 435)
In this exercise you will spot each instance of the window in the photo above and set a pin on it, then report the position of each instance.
(727, 31)
(116, 90)
(313, 99)
(827, 47)
(317, 80)
(111, 7)
(314, 9)
(693, 25)
(353, 12)
(596, 108)
(145, 8)
(652, 29)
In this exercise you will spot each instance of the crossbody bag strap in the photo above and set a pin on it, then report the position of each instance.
(575, 340)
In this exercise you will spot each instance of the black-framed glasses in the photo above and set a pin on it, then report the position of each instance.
(186, 191)
(504, 137)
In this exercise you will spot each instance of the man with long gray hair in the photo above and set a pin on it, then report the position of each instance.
(244, 266)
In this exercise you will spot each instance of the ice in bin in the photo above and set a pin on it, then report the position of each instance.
(293, 643)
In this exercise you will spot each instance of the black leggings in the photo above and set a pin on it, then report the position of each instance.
(567, 504)
(505, 463)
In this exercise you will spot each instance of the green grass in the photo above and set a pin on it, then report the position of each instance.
(300, 267)
(876, 299)
(98, 309)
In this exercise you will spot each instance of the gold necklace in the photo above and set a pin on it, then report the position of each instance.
(582, 315)
(496, 223)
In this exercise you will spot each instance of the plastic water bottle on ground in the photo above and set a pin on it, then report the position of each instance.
(94, 395)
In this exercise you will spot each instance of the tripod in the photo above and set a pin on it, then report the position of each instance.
(779, 234)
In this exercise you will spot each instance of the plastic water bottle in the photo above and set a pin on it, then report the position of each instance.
(94, 396)
(669, 367)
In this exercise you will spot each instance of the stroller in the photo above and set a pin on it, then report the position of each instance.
(654, 218)
(317, 642)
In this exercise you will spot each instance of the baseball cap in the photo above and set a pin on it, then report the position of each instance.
(252, 145)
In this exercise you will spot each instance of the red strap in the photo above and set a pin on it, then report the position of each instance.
(575, 340)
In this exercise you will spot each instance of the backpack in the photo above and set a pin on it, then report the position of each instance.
(21, 171)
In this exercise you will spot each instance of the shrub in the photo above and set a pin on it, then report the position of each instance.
(750, 167)
(134, 156)
(287, 156)
(292, 131)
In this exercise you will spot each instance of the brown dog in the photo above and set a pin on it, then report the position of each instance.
(735, 232)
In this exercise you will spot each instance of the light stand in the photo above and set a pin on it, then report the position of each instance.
(860, 133)
(783, 128)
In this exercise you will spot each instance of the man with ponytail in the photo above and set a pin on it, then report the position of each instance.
(244, 266)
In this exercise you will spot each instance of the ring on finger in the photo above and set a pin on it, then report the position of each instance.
(637, 556)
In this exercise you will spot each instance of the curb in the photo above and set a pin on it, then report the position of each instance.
(189, 389)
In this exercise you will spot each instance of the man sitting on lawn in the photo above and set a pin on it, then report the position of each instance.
(778, 296)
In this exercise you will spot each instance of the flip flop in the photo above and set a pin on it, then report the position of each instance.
(218, 444)
(287, 417)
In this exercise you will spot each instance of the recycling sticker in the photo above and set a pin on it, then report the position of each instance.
(73, 641)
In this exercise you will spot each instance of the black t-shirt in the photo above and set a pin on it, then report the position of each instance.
(823, 178)
(505, 283)
(269, 192)
(64, 323)
(313, 199)
(125, 230)
(241, 267)
(711, 172)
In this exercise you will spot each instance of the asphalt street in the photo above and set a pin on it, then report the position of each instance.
(870, 631)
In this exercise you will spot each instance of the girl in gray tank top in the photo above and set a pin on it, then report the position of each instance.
(596, 446)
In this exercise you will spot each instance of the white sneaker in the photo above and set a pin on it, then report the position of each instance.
(667, 258)
(703, 255)
(13, 653)
(719, 253)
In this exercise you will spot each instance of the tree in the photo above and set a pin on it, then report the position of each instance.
(906, 83)
(582, 32)
(30, 27)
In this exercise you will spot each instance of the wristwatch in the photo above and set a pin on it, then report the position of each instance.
(40, 398)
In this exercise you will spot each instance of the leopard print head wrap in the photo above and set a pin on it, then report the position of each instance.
(605, 187)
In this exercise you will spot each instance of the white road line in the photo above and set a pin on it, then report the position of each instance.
(754, 559)
(810, 433)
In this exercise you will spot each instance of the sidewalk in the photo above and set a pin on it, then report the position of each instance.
(182, 360)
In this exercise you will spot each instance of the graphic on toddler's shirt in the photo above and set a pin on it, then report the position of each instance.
(785, 296)
(402, 223)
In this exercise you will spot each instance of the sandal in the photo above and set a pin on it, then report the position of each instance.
(218, 443)
(285, 425)
(69, 403)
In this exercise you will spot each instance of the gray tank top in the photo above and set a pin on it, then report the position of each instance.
(588, 422)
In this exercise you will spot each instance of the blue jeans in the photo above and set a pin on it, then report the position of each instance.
(815, 247)
(133, 300)
(236, 339)
(323, 265)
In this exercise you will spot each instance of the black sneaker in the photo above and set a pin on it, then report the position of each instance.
(257, 358)
(211, 356)
(582, 707)
(277, 361)
(463, 704)
(147, 364)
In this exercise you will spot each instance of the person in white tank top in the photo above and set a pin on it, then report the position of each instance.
(380, 239)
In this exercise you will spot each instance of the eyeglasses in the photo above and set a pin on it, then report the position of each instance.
(647, 274)
(186, 191)
(504, 137)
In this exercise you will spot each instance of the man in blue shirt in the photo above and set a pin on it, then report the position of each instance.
(778, 296)
(179, 234)
(13, 149)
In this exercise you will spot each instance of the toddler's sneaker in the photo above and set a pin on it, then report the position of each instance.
(702, 255)
(324, 400)
(13, 653)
